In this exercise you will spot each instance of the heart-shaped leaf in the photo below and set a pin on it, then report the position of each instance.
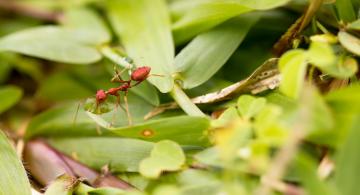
(165, 156)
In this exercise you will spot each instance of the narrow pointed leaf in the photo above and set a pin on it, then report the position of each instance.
(186, 130)
(209, 51)
(86, 26)
(144, 29)
(348, 162)
(121, 154)
(13, 178)
(204, 17)
(51, 43)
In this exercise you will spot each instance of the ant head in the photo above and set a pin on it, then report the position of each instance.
(140, 73)
(100, 96)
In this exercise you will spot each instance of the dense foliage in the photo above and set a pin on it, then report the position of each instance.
(243, 97)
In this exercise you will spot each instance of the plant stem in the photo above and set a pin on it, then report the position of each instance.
(114, 56)
(185, 102)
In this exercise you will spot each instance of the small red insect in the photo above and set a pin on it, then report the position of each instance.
(137, 76)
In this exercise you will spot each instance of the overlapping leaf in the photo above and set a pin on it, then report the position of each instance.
(144, 29)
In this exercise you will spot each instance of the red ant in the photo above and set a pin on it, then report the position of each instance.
(138, 75)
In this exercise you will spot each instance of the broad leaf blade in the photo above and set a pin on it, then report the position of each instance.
(51, 43)
(86, 25)
(348, 162)
(207, 14)
(292, 66)
(13, 178)
(61, 121)
(144, 29)
(350, 42)
(263, 4)
(185, 130)
(9, 96)
(121, 154)
(204, 17)
(209, 51)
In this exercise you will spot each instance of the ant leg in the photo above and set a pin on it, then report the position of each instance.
(117, 76)
(77, 112)
(127, 109)
(118, 103)
(157, 75)
(115, 110)
(98, 129)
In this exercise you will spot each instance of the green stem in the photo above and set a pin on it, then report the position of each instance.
(114, 56)
(185, 102)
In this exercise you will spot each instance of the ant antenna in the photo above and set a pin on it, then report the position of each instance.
(77, 112)
(117, 76)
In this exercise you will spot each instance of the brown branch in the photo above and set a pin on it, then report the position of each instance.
(12, 6)
(295, 29)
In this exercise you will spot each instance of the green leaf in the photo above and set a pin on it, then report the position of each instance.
(186, 130)
(321, 54)
(86, 25)
(263, 4)
(207, 14)
(51, 43)
(106, 191)
(348, 162)
(144, 29)
(225, 118)
(64, 82)
(204, 17)
(354, 25)
(306, 168)
(350, 42)
(165, 156)
(60, 121)
(345, 67)
(345, 10)
(345, 99)
(121, 154)
(63, 185)
(209, 51)
(167, 189)
(9, 96)
(249, 106)
(13, 178)
(292, 66)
